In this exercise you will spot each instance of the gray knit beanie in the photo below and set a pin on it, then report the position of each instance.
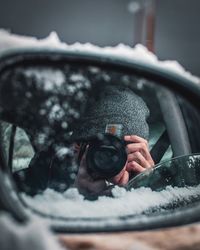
(114, 105)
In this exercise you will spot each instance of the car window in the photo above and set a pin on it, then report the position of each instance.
(23, 151)
(192, 122)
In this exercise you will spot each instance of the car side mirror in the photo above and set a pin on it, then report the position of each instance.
(48, 97)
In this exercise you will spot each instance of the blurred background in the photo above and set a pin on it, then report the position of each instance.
(169, 28)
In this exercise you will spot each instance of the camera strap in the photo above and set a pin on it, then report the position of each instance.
(83, 146)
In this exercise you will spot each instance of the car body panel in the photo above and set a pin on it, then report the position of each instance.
(186, 237)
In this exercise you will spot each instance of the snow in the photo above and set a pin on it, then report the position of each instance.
(50, 78)
(134, 7)
(138, 53)
(71, 204)
(33, 235)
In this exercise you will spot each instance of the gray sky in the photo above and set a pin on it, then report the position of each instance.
(108, 22)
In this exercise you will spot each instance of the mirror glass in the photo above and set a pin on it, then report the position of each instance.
(86, 141)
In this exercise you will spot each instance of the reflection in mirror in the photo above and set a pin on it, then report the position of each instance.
(155, 198)
(181, 175)
(78, 138)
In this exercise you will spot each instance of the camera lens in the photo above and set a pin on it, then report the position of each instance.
(106, 157)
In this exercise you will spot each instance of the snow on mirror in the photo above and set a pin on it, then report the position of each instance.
(83, 141)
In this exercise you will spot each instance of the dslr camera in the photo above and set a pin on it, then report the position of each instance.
(106, 153)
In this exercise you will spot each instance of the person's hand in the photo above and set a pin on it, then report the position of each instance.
(139, 159)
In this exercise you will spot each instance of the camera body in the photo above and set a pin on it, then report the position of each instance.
(106, 156)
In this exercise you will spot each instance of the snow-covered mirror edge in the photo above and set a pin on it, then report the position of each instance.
(130, 220)
(139, 53)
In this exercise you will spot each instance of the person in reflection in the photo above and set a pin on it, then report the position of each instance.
(120, 112)
(117, 111)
